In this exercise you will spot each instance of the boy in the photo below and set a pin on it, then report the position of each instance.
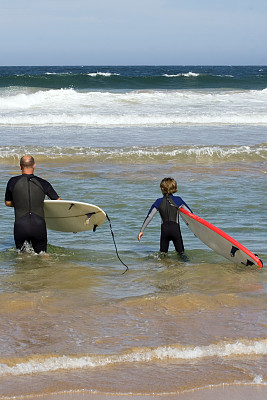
(167, 206)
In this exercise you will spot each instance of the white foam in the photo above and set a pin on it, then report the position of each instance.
(136, 108)
(258, 380)
(106, 74)
(187, 75)
(162, 353)
(258, 152)
(97, 120)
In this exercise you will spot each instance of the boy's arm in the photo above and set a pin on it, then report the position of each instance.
(149, 217)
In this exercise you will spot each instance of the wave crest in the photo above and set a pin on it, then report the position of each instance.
(25, 106)
(39, 364)
(181, 154)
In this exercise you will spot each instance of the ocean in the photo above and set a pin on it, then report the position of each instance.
(72, 322)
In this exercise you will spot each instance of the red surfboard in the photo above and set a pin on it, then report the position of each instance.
(218, 240)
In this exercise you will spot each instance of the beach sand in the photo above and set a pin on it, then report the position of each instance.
(232, 392)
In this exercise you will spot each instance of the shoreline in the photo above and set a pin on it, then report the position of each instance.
(219, 392)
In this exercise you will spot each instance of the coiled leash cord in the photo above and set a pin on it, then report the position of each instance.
(112, 234)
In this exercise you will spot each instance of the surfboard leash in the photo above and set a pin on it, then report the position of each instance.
(112, 234)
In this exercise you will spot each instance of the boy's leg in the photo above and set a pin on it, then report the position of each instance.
(164, 238)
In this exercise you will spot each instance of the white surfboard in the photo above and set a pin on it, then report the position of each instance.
(72, 216)
(218, 240)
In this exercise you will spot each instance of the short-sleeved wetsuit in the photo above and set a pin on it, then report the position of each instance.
(167, 206)
(27, 192)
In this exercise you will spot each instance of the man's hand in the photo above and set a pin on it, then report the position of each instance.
(9, 203)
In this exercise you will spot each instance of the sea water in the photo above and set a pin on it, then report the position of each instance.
(72, 320)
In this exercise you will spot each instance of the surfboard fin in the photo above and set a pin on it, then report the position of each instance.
(233, 251)
(88, 218)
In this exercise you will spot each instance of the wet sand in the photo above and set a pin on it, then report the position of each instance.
(233, 392)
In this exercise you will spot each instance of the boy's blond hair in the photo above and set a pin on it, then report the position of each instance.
(168, 186)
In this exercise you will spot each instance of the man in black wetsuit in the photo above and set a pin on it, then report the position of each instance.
(168, 207)
(26, 193)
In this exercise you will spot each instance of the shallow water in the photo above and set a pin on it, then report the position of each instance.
(72, 320)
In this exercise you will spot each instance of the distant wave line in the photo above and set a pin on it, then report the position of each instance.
(184, 74)
(117, 80)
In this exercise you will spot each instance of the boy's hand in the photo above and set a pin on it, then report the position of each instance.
(140, 234)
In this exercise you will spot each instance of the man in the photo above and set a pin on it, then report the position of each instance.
(26, 193)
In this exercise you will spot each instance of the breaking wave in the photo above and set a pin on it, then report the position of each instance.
(39, 364)
(28, 106)
(256, 153)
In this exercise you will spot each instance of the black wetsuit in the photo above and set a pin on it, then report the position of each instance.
(168, 206)
(27, 192)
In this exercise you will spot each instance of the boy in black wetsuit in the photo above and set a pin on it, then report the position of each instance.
(26, 193)
(167, 206)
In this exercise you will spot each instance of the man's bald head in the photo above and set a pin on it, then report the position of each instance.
(27, 162)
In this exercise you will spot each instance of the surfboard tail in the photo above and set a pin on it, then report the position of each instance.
(218, 240)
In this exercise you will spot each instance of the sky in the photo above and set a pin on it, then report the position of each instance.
(133, 32)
